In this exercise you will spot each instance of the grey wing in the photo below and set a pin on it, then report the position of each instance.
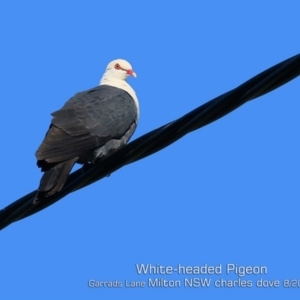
(87, 122)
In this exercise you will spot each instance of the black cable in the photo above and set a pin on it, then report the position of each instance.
(160, 138)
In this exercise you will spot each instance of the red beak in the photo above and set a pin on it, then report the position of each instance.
(130, 72)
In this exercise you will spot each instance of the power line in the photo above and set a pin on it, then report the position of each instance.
(160, 138)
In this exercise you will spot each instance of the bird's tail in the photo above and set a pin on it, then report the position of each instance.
(54, 179)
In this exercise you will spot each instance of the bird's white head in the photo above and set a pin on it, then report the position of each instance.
(116, 73)
(119, 68)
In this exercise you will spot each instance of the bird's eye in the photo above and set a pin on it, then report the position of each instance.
(117, 66)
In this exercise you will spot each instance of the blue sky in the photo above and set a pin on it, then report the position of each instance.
(226, 194)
